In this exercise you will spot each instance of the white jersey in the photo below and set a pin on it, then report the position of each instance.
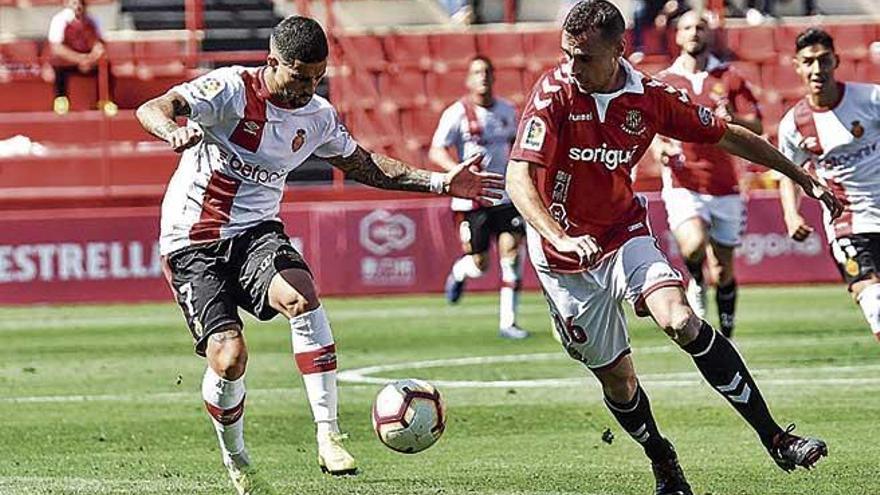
(487, 131)
(847, 157)
(234, 178)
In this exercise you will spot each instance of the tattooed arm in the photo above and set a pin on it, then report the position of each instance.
(384, 172)
(158, 115)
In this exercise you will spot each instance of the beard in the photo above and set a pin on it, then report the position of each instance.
(697, 49)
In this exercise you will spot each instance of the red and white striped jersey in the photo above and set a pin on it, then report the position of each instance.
(845, 153)
(234, 178)
(705, 168)
(589, 144)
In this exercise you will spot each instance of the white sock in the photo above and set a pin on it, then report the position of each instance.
(869, 300)
(224, 400)
(510, 280)
(315, 355)
(464, 268)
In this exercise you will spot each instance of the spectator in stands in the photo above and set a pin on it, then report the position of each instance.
(654, 14)
(460, 11)
(77, 45)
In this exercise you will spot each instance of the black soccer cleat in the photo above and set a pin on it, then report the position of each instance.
(790, 451)
(669, 476)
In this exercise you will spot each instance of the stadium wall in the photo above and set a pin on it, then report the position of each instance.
(354, 249)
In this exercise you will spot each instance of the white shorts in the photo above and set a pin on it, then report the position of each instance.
(587, 307)
(725, 215)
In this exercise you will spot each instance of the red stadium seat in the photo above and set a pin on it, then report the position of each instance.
(509, 84)
(408, 51)
(450, 51)
(748, 70)
(505, 49)
(847, 71)
(868, 72)
(755, 44)
(419, 125)
(121, 57)
(354, 91)
(372, 129)
(784, 38)
(403, 89)
(159, 58)
(771, 114)
(443, 89)
(781, 82)
(543, 48)
(363, 51)
(851, 40)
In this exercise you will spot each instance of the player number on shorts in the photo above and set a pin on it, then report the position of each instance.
(574, 332)
(186, 295)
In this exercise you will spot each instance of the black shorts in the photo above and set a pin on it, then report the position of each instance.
(212, 280)
(478, 227)
(857, 256)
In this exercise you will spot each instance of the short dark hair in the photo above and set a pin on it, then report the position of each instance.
(601, 16)
(300, 38)
(813, 36)
(484, 59)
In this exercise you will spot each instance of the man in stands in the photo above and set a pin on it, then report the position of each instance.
(587, 122)
(77, 45)
(221, 237)
(835, 131)
(706, 213)
(482, 124)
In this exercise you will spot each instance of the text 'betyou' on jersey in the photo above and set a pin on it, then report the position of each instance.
(611, 158)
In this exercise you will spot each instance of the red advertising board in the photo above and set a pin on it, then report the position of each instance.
(354, 248)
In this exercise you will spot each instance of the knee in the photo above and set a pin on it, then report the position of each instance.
(620, 387)
(679, 322)
(292, 303)
(227, 354)
(293, 294)
(694, 252)
(481, 261)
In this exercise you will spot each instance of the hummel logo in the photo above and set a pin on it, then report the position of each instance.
(580, 117)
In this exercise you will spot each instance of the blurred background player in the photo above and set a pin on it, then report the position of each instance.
(706, 212)
(222, 241)
(481, 123)
(587, 123)
(77, 45)
(835, 131)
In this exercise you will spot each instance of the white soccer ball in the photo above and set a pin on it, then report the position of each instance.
(409, 415)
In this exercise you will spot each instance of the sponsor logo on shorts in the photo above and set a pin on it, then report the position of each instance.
(534, 134)
(852, 267)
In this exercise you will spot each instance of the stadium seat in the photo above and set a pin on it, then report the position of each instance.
(121, 57)
(781, 82)
(408, 51)
(402, 89)
(372, 129)
(419, 125)
(363, 52)
(451, 51)
(504, 49)
(543, 49)
(509, 84)
(851, 40)
(754, 44)
(868, 71)
(748, 70)
(771, 114)
(21, 58)
(443, 89)
(355, 90)
(159, 58)
(847, 71)
(784, 37)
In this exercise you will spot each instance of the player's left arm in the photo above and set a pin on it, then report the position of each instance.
(739, 141)
(384, 172)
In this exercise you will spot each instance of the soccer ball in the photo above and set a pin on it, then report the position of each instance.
(409, 415)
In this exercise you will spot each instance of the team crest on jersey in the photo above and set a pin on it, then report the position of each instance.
(298, 140)
(857, 130)
(535, 132)
(633, 124)
(705, 116)
(209, 87)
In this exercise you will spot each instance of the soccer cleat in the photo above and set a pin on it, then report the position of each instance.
(790, 451)
(454, 289)
(696, 296)
(332, 456)
(244, 477)
(669, 476)
(512, 332)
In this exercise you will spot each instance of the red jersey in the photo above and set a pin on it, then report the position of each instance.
(589, 144)
(704, 168)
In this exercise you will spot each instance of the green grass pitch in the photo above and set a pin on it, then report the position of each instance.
(105, 399)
